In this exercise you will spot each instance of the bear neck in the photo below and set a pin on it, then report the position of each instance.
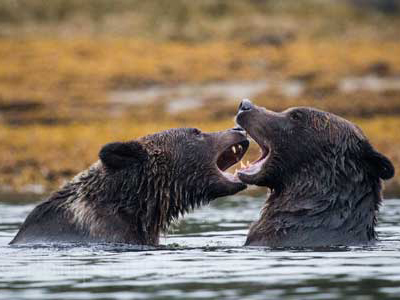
(322, 206)
(139, 206)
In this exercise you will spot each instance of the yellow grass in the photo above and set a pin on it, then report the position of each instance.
(70, 78)
(82, 69)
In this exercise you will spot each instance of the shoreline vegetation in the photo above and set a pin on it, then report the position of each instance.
(75, 75)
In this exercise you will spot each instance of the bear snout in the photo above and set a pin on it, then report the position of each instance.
(246, 104)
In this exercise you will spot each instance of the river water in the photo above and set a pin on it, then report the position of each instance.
(201, 258)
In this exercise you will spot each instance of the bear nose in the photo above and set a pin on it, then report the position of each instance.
(245, 105)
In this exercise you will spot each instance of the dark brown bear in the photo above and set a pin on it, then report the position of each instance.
(324, 176)
(138, 188)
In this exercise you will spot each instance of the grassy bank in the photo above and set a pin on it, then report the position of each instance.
(54, 94)
(50, 80)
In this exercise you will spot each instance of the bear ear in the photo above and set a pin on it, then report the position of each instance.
(379, 163)
(119, 155)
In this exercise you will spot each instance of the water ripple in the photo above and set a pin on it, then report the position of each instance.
(202, 257)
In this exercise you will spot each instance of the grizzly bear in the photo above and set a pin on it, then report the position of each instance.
(323, 174)
(138, 188)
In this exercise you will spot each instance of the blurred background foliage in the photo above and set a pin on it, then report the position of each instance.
(77, 74)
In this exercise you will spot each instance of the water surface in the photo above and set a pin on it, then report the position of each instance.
(202, 258)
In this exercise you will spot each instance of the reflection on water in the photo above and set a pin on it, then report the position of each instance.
(202, 258)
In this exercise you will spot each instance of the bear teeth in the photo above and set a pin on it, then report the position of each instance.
(237, 148)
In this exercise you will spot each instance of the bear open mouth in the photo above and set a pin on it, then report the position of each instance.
(230, 156)
(256, 166)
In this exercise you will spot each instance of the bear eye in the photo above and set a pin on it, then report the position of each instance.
(296, 115)
(196, 131)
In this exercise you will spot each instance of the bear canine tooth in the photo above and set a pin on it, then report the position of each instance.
(234, 149)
